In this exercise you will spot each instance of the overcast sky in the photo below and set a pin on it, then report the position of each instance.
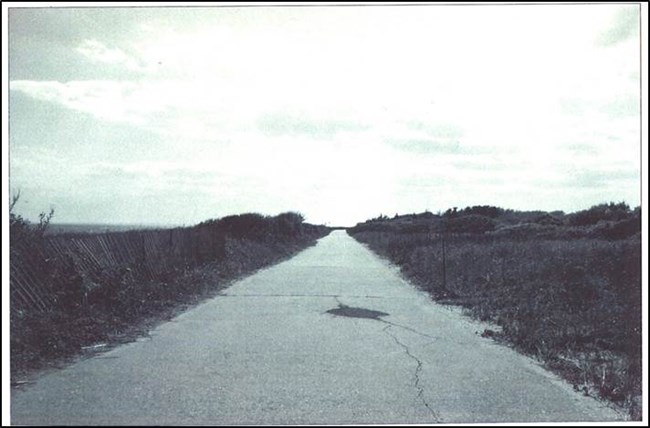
(178, 115)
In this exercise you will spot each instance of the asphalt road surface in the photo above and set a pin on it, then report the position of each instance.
(332, 336)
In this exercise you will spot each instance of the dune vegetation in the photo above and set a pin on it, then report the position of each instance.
(82, 291)
(564, 288)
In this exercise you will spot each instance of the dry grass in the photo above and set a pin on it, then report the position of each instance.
(120, 306)
(574, 303)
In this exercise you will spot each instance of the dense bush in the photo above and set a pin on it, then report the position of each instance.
(23, 234)
(482, 210)
(244, 225)
(618, 229)
(290, 223)
(548, 220)
(602, 212)
(471, 223)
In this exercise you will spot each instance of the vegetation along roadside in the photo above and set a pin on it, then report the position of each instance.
(564, 288)
(75, 293)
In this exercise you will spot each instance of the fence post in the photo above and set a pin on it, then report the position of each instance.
(444, 262)
(144, 253)
(171, 247)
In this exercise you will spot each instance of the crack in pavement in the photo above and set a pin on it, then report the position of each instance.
(416, 375)
(418, 369)
(405, 327)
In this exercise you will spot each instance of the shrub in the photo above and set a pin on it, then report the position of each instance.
(483, 210)
(471, 223)
(619, 229)
(290, 223)
(601, 212)
(244, 225)
(24, 233)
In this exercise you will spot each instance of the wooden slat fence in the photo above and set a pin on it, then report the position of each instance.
(148, 254)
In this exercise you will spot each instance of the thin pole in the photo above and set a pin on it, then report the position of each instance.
(444, 263)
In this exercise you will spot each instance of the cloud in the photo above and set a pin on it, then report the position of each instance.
(430, 137)
(581, 149)
(96, 51)
(438, 130)
(195, 109)
(425, 145)
(601, 179)
(623, 26)
(276, 124)
(104, 99)
(177, 191)
(574, 106)
(623, 106)
(344, 112)
(615, 106)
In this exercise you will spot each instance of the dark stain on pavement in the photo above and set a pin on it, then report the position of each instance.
(352, 312)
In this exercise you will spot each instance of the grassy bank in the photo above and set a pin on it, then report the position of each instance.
(563, 288)
(117, 298)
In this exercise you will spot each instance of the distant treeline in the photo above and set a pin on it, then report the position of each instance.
(565, 288)
(607, 220)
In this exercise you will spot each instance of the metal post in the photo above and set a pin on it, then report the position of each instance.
(444, 263)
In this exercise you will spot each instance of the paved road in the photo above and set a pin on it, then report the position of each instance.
(267, 351)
